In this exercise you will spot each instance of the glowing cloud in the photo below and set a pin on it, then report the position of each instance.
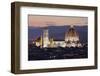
(43, 21)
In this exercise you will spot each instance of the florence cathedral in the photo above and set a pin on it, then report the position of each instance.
(71, 39)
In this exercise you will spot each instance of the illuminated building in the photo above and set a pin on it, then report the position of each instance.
(51, 42)
(59, 43)
(45, 38)
(39, 42)
(71, 39)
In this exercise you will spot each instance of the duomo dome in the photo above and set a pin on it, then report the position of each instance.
(71, 35)
(72, 38)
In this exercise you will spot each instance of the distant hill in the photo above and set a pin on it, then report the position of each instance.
(57, 32)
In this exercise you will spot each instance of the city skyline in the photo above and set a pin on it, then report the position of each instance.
(63, 37)
(55, 31)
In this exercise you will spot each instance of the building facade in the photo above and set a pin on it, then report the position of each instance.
(71, 39)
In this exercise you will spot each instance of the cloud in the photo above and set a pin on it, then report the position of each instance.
(43, 21)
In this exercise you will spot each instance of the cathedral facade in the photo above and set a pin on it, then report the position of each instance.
(71, 39)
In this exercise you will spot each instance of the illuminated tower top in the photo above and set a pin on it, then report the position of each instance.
(45, 37)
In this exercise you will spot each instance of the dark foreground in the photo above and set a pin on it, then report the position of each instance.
(36, 53)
